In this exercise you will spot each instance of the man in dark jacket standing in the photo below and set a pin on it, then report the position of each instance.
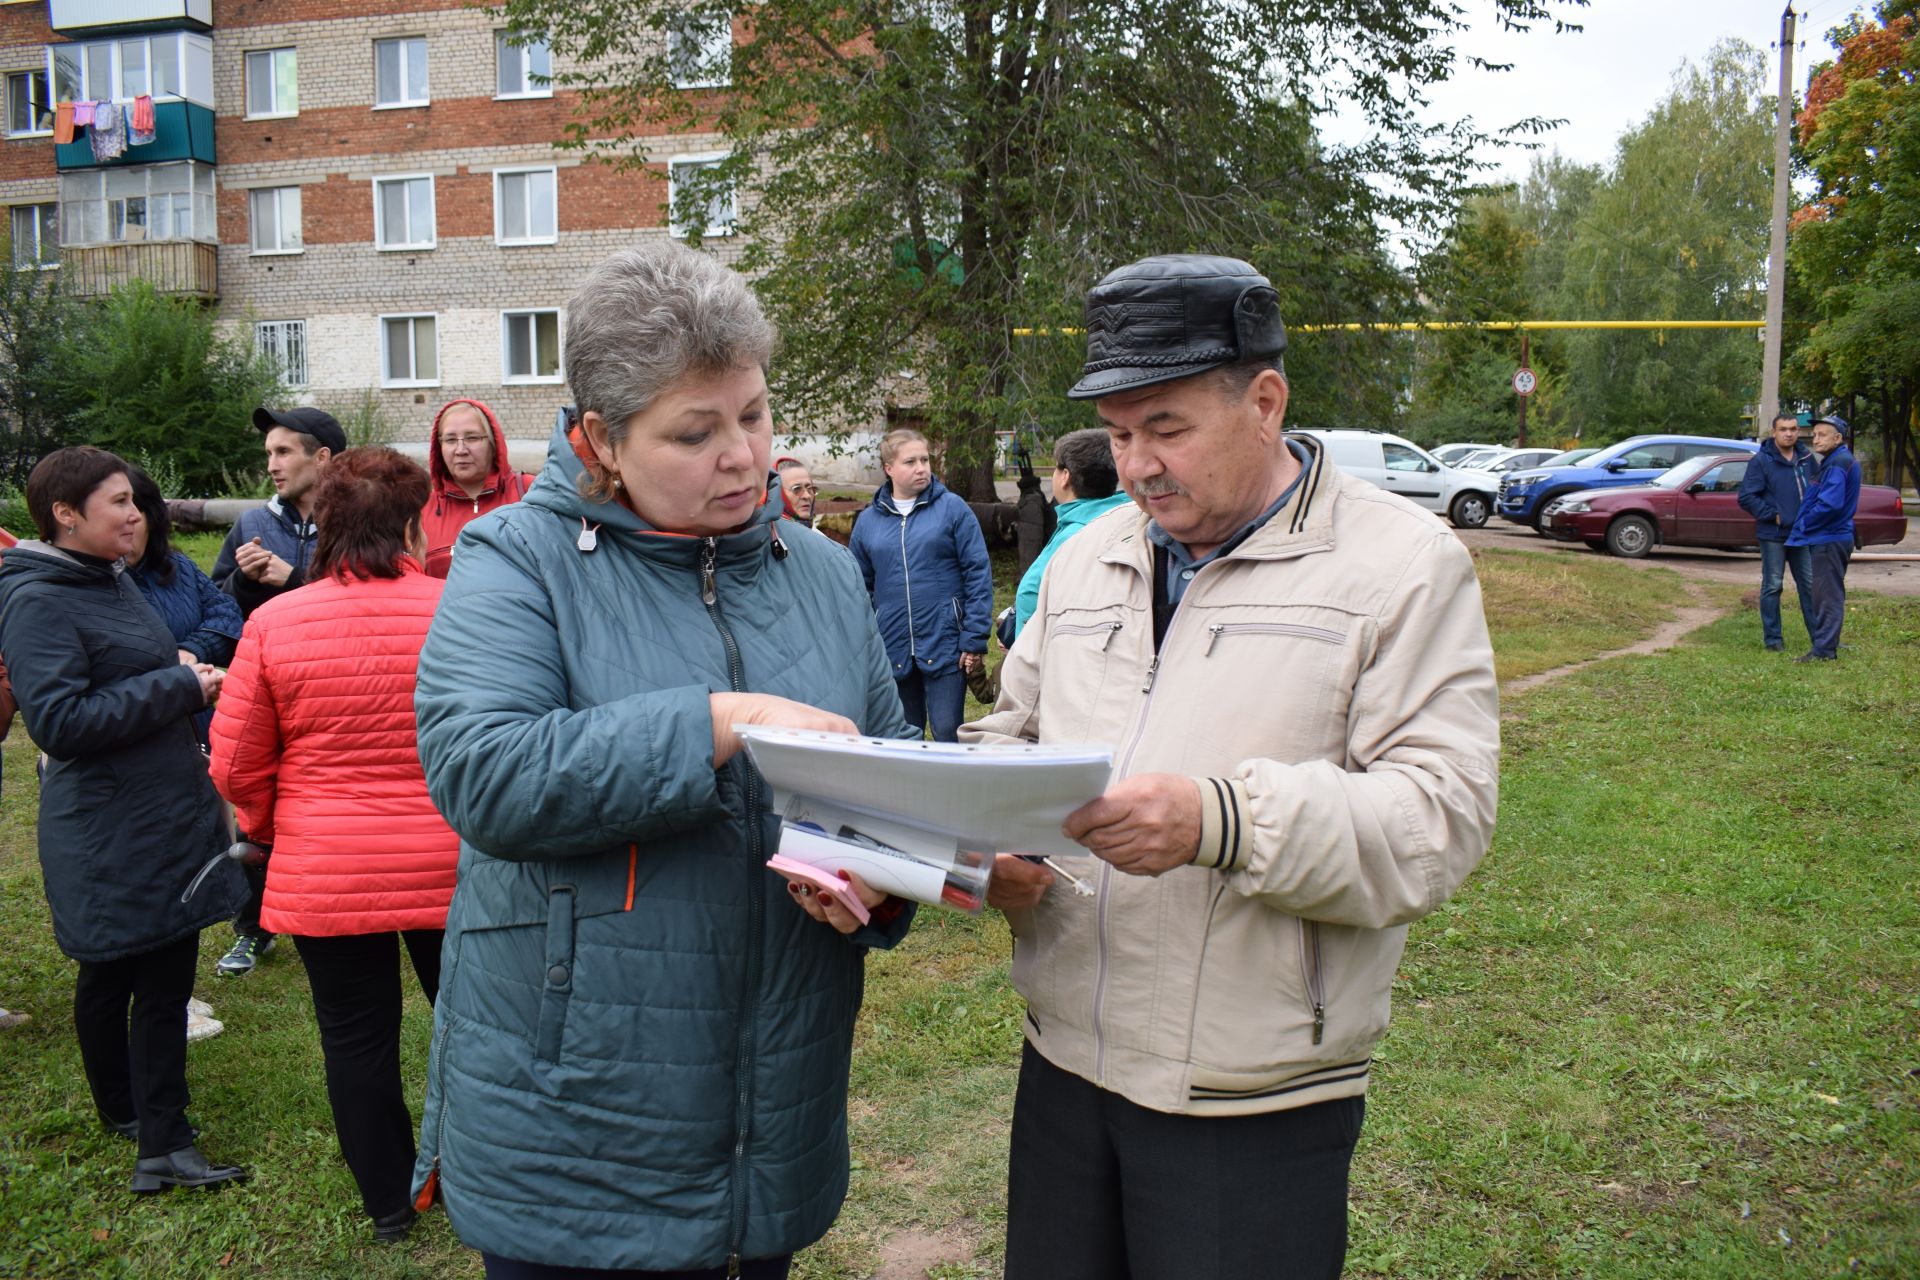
(924, 559)
(1825, 528)
(266, 553)
(1776, 481)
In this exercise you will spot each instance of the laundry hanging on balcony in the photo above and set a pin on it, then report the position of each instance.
(63, 122)
(109, 136)
(140, 121)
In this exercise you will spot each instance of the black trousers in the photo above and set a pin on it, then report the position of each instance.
(1100, 1188)
(356, 1000)
(130, 1016)
(499, 1268)
(247, 923)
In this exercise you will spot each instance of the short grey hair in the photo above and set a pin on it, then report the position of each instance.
(649, 316)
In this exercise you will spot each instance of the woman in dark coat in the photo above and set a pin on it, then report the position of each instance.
(205, 621)
(127, 814)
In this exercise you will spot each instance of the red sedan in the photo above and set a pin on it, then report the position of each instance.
(1696, 504)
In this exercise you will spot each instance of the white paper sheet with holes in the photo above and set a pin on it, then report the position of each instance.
(1011, 799)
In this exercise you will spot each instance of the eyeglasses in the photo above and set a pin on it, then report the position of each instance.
(803, 488)
(470, 442)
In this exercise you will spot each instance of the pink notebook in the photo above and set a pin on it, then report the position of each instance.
(825, 883)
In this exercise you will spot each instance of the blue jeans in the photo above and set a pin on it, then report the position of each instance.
(940, 697)
(1775, 559)
(1829, 595)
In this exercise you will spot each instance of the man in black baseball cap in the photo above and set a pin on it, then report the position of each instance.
(266, 554)
(1294, 669)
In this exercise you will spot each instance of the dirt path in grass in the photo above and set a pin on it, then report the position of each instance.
(1688, 618)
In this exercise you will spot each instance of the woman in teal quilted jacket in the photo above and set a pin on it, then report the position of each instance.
(640, 1050)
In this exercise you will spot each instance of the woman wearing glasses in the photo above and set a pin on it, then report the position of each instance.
(471, 473)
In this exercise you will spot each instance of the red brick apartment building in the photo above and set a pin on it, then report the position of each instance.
(373, 189)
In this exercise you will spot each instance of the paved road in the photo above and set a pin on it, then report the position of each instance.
(1741, 568)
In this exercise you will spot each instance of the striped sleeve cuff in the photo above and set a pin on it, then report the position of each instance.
(1225, 842)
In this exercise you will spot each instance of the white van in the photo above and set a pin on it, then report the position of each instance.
(1402, 467)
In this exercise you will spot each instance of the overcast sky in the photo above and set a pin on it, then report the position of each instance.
(1609, 76)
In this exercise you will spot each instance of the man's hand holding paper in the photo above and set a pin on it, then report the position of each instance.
(1145, 825)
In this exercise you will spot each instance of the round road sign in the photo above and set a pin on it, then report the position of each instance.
(1524, 381)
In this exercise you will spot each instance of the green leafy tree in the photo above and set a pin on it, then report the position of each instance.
(1853, 245)
(36, 325)
(153, 378)
(1677, 229)
(919, 179)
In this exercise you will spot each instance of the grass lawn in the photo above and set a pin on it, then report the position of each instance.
(1670, 1028)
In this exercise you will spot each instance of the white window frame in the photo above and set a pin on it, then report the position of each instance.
(280, 112)
(46, 99)
(41, 243)
(379, 224)
(700, 159)
(501, 42)
(182, 41)
(405, 43)
(508, 378)
(281, 248)
(270, 338)
(201, 190)
(385, 364)
(716, 70)
(500, 205)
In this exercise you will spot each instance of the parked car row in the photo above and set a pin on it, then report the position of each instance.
(1525, 495)
(1695, 504)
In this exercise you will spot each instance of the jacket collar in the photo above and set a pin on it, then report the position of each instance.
(883, 496)
(301, 526)
(35, 558)
(1303, 525)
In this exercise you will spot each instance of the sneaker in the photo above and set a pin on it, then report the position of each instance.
(246, 952)
(1777, 648)
(14, 1019)
(202, 1026)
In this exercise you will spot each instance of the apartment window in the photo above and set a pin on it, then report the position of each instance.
(28, 109)
(409, 351)
(276, 219)
(696, 196)
(400, 72)
(525, 66)
(272, 83)
(530, 346)
(36, 235)
(403, 212)
(700, 50)
(140, 202)
(171, 65)
(286, 342)
(525, 209)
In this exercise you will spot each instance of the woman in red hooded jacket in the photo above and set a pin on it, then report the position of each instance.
(467, 456)
(313, 742)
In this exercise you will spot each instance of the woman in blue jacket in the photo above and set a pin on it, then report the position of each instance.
(642, 1039)
(204, 620)
(925, 563)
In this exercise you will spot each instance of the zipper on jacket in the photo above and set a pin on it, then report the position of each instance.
(436, 1067)
(1219, 629)
(756, 912)
(1310, 971)
(906, 580)
(1092, 629)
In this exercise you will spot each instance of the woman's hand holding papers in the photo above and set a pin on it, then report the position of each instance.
(729, 709)
(827, 907)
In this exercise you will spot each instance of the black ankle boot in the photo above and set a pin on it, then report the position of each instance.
(183, 1168)
(393, 1228)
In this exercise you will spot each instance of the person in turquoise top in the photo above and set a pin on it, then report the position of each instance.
(1086, 487)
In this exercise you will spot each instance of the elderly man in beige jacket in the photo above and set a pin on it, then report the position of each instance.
(1293, 669)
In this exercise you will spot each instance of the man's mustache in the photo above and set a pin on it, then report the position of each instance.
(1156, 487)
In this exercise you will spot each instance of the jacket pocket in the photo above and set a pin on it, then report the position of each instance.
(557, 990)
(1220, 630)
(1313, 978)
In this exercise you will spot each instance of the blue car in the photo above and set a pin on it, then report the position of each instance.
(1524, 495)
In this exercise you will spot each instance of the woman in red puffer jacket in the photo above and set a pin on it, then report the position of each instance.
(313, 742)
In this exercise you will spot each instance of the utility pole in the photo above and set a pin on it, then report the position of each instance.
(1777, 248)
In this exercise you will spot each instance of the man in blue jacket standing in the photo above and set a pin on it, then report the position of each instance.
(1771, 492)
(924, 559)
(1825, 527)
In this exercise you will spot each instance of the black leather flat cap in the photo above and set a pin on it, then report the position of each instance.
(1173, 316)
